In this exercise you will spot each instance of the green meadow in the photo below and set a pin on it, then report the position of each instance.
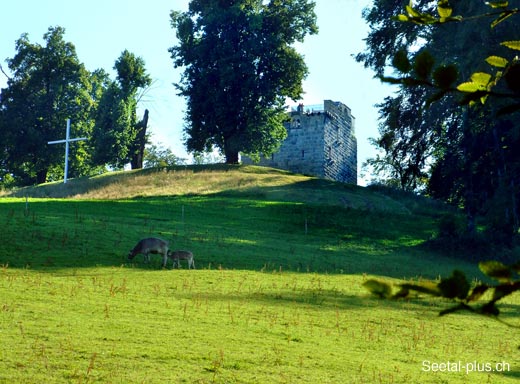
(277, 295)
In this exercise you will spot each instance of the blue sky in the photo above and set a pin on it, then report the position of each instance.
(102, 29)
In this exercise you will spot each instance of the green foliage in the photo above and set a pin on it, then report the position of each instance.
(450, 226)
(423, 64)
(497, 61)
(445, 75)
(482, 84)
(115, 131)
(407, 140)
(131, 73)
(378, 288)
(118, 135)
(455, 116)
(444, 11)
(497, 270)
(156, 156)
(242, 51)
(48, 85)
(457, 288)
(400, 61)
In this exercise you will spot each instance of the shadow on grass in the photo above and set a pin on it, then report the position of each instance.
(309, 226)
(337, 299)
(513, 373)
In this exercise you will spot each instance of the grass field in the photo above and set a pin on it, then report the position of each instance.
(277, 296)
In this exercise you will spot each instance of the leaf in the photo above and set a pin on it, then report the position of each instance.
(479, 82)
(412, 12)
(470, 87)
(378, 288)
(454, 18)
(445, 75)
(444, 8)
(456, 286)
(497, 4)
(496, 270)
(514, 44)
(423, 64)
(401, 17)
(497, 61)
(481, 78)
(400, 61)
(418, 17)
(447, 19)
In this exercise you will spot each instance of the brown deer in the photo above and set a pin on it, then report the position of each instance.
(182, 255)
(150, 245)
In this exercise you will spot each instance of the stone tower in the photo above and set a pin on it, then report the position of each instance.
(320, 142)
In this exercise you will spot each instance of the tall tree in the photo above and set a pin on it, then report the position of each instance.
(48, 85)
(240, 66)
(469, 151)
(119, 138)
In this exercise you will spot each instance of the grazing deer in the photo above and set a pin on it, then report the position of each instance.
(150, 245)
(182, 255)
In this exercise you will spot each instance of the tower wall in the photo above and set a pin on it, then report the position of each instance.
(320, 142)
(340, 144)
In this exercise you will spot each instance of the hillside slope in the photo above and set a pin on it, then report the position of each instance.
(233, 217)
(258, 182)
(281, 261)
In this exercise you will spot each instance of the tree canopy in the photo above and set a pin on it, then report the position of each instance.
(460, 149)
(470, 141)
(48, 85)
(118, 137)
(239, 67)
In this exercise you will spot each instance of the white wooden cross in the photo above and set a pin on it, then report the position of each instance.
(67, 141)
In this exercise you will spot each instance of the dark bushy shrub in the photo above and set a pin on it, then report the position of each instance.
(454, 240)
(450, 227)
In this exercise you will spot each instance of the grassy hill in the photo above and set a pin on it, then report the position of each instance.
(277, 296)
(232, 217)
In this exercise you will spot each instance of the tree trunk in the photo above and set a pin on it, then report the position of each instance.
(231, 157)
(231, 150)
(138, 157)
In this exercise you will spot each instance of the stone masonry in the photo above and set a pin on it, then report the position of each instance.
(320, 142)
